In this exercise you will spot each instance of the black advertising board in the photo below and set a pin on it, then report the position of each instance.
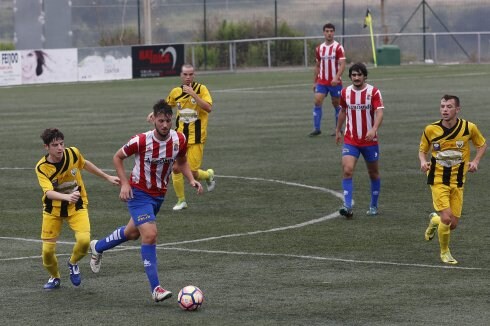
(157, 60)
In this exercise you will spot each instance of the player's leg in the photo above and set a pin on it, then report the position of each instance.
(335, 96)
(178, 183)
(148, 207)
(441, 201)
(350, 155)
(194, 157)
(115, 238)
(80, 224)
(320, 93)
(50, 231)
(371, 156)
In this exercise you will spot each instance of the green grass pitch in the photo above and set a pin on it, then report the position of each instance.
(266, 247)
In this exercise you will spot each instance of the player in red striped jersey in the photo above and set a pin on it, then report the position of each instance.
(330, 65)
(155, 153)
(362, 112)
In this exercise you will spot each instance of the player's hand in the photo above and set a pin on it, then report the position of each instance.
(197, 185)
(472, 167)
(188, 90)
(114, 180)
(126, 192)
(424, 166)
(73, 197)
(338, 137)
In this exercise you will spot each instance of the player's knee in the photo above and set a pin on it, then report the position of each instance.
(48, 253)
(83, 240)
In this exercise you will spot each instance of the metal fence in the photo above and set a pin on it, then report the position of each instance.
(457, 47)
(399, 22)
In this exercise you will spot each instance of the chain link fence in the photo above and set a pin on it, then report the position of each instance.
(118, 22)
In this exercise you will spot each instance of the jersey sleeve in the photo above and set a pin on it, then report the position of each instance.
(205, 95)
(43, 179)
(424, 146)
(476, 136)
(131, 147)
(377, 101)
(174, 93)
(343, 103)
(182, 145)
(80, 160)
(317, 54)
(340, 53)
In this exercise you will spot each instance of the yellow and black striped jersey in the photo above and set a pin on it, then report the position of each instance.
(191, 119)
(450, 151)
(63, 177)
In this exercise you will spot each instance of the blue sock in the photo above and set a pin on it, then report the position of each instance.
(375, 188)
(317, 117)
(348, 189)
(337, 111)
(149, 256)
(115, 238)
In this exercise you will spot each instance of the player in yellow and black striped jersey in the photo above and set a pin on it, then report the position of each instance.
(194, 103)
(448, 142)
(64, 199)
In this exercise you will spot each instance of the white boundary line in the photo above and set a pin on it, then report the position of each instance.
(164, 246)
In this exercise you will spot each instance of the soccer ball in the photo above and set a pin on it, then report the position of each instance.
(190, 298)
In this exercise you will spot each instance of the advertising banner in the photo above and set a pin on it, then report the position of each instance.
(108, 63)
(49, 66)
(10, 68)
(157, 60)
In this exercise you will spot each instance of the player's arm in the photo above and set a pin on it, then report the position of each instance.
(316, 71)
(340, 122)
(126, 192)
(206, 106)
(338, 76)
(378, 119)
(424, 164)
(92, 168)
(480, 151)
(71, 198)
(183, 167)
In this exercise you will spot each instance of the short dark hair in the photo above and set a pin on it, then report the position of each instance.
(358, 67)
(448, 97)
(329, 25)
(51, 134)
(162, 107)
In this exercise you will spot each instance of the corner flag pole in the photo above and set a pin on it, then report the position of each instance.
(368, 21)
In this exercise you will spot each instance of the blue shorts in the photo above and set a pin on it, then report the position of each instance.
(370, 153)
(333, 90)
(144, 207)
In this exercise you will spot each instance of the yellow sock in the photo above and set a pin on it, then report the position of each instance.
(50, 262)
(178, 182)
(202, 175)
(443, 232)
(80, 249)
(436, 219)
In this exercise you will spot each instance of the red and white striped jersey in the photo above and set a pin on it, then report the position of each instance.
(328, 56)
(360, 106)
(153, 160)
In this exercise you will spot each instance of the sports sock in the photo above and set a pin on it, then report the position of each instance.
(81, 246)
(337, 111)
(178, 182)
(202, 175)
(443, 232)
(115, 238)
(348, 189)
(317, 117)
(436, 219)
(50, 262)
(149, 256)
(375, 188)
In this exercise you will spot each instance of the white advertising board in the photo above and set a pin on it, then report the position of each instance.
(49, 66)
(110, 63)
(10, 68)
